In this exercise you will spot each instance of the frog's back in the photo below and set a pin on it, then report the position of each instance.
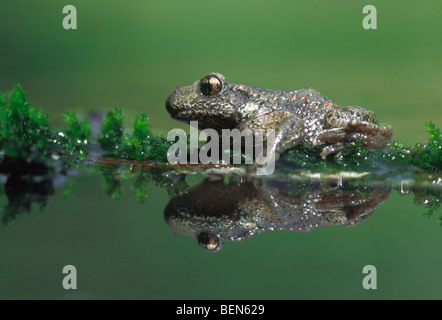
(306, 103)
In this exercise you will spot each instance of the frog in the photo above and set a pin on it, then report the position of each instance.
(301, 117)
(215, 212)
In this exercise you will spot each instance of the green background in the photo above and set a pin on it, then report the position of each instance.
(132, 54)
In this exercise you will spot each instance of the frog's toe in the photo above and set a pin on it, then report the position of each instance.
(330, 135)
(331, 149)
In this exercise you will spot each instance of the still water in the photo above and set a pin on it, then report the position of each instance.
(137, 233)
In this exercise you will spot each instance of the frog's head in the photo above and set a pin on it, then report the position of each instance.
(214, 212)
(211, 101)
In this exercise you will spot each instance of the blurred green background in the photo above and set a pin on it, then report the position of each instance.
(132, 54)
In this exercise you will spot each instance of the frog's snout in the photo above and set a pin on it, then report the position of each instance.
(170, 101)
(169, 105)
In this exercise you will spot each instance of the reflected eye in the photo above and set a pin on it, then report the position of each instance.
(209, 241)
(210, 85)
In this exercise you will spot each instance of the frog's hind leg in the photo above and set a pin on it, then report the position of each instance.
(338, 139)
(373, 135)
(332, 135)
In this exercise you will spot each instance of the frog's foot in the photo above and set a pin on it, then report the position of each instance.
(372, 135)
(348, 207)
(331, 149)
(332, 135)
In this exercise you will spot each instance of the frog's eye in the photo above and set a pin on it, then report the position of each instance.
(209, 241)
(210, 85)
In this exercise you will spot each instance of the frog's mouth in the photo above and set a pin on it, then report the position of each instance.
(184, 109)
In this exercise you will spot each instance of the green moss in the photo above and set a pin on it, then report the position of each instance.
(78, 130)
(395, 156)
(112, 180)
(430, 198)
(428, 156)
(24, 130)
(74, 141)
(141, 144)
(111, 137)
(139, 177)
(25, 133)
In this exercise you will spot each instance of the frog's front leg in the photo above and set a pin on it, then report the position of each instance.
(288, 131)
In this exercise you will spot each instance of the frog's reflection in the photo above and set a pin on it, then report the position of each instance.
(215, 212)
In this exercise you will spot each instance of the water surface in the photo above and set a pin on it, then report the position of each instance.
(134, 247)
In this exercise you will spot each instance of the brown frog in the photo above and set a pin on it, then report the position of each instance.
(298, 117)
(215, 212)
